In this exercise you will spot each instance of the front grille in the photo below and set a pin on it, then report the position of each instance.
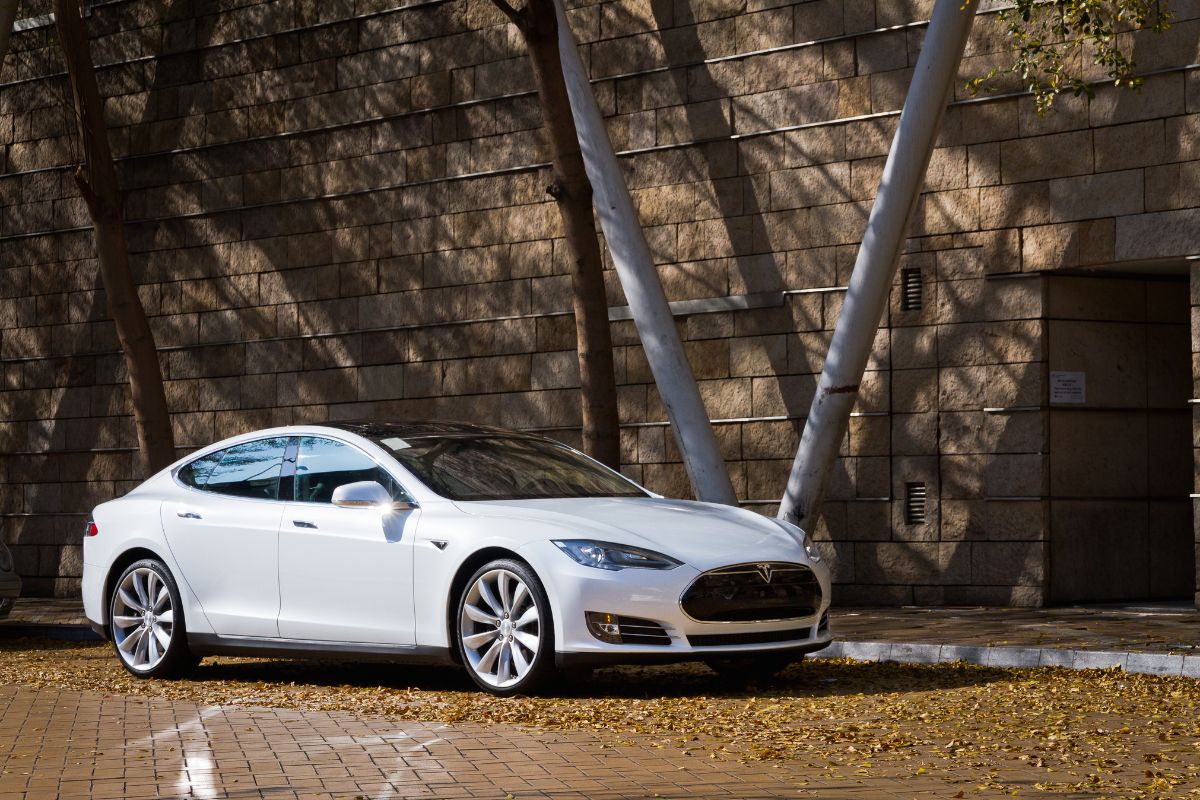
(753, 593)
(823, 625)
(757, 637)
(642, 631)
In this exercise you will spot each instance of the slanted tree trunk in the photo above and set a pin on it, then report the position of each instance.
(573, 193)
(97, 180)
(8, 15)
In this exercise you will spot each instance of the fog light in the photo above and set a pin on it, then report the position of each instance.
(604, 627)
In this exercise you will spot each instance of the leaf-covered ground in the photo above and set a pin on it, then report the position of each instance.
(1086, 733)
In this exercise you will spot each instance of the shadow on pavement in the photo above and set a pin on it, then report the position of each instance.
(808, 679)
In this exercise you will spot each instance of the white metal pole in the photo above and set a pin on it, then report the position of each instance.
(635, 268)
(878, 257)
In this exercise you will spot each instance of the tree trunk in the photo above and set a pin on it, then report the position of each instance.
(878, 257)
(97, 180)
(639, 278)
(573, 193)
(8, 15)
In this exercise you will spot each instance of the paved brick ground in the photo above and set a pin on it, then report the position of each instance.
(86, 744)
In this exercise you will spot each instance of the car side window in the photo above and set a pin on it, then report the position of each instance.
(196, 474)
(250, 470)
(323, 464)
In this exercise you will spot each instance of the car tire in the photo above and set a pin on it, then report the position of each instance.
(146, 622)
(757, 668)
(504, 629)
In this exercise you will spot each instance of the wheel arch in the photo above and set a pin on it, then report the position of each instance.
(465, 570)
(119, 564)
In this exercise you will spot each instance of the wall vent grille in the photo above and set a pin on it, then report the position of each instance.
(914, 503)
(912, 296)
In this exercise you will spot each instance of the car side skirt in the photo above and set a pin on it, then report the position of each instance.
(207, 644)
(599, 659)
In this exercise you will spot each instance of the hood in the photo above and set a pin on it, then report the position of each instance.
(704, 535)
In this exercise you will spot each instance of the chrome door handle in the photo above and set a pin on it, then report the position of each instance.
(187, 514)
(299, 523)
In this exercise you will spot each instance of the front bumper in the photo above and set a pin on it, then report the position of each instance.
(654, 596)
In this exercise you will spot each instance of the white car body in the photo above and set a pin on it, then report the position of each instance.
(382, 582)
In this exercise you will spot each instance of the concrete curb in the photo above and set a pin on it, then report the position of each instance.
(1171, 664)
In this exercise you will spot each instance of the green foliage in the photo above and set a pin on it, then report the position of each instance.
(1052, 39)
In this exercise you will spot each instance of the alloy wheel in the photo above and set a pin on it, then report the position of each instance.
(500, 628)
(143, 619)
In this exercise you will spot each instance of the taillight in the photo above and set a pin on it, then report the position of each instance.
(91, 529)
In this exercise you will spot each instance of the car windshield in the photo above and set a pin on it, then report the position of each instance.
(504, 468)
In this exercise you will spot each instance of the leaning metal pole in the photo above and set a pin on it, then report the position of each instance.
(878, 257)
(635, 268)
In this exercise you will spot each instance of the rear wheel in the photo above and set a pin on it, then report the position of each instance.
(505, 634)
(146, 618)
(755, 668)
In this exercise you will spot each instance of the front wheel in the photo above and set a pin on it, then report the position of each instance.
(146, 618)
(505, 634)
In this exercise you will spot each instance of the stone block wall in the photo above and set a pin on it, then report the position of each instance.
(337, 210)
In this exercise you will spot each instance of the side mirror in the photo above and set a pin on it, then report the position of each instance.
(363, 494)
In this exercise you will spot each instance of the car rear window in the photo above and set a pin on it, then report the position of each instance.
(196, 473)
(250, 470)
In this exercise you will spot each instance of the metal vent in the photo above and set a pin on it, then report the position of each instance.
(912, 296)
(914, 503)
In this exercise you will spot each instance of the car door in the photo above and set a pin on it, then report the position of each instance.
(345, 574)
(224, 533)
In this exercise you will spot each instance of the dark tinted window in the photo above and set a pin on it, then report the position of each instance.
(196, 473)
(322, 465)
(250, 470)
(503, 468)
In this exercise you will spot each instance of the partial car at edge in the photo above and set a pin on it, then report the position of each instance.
(10, 582)
(508, 553)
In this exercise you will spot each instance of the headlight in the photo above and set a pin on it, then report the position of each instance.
(606, 555)
(6, 564)
(810, 549)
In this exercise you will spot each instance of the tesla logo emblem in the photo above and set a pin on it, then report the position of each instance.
(764, 570)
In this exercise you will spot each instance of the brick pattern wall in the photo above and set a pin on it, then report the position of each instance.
(337, 210)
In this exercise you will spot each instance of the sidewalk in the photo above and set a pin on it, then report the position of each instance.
(1158, 639)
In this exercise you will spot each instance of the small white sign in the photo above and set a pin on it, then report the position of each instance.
(1068, 387)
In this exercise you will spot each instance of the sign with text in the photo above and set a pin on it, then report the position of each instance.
(1068, 387)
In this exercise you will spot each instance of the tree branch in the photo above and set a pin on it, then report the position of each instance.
(85, 189)
(509, 11)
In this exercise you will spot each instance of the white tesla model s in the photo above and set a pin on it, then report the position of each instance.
(508, 553)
